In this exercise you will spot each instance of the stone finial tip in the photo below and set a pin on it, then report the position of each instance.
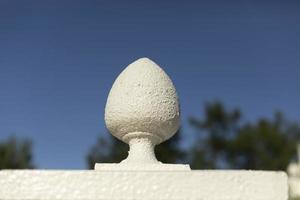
(142, 109)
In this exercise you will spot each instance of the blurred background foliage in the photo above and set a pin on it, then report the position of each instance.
(16, 154)
(221, 139)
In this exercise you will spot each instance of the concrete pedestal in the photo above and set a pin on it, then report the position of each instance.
(171, 185)
(294, 180)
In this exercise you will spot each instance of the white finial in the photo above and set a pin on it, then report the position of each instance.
(142, 109)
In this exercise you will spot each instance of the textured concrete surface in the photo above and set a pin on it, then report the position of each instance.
(142, 110)
(141, 167)
(143, 99)
(294, 178)
(96, 185)
(294, 185)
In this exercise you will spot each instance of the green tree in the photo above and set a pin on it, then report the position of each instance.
(15, 154)
(212, 136)
(106, 150)
(265, 145)
(111, 150)
(224, 142)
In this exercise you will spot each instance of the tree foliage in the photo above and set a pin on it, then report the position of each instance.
(212, 136)
(221, 140)
(106, 150)
(224, 142)
(15, 154)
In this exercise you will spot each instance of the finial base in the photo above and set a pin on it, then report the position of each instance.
(141, 167)
(141, 156)
(141, 151)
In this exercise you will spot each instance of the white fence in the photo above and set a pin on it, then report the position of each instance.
(142, 110)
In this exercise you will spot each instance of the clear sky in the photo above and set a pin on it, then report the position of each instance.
(58, 60)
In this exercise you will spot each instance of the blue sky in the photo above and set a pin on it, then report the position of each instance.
(58, 60)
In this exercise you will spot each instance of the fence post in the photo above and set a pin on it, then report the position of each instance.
(294, 177)
(142, 110)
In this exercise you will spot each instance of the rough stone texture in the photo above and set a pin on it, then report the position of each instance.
(142, 110)
(95, 185)
(294, 177)
(142, 100)
(141, 167)
(294, 184)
